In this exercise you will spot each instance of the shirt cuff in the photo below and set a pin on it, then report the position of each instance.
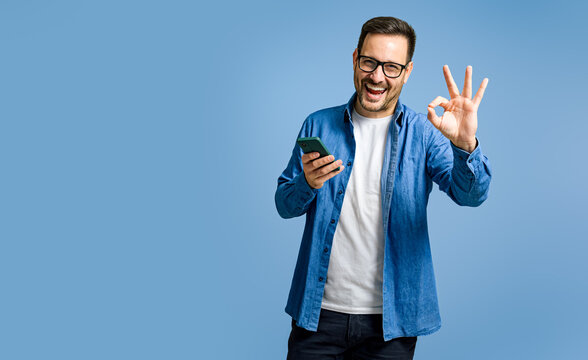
(304, 191)
(462, 158)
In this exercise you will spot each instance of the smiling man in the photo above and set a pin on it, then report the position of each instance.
(378, 91)
(364, 286)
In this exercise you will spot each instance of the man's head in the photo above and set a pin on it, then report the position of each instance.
(383, 40)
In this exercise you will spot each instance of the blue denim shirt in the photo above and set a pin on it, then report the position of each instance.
(416, 155)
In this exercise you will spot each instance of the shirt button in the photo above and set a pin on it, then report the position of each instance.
(340, 192)
(332, 221)
(321, 278)
(326, 249)
(349, 163)
(470, 160)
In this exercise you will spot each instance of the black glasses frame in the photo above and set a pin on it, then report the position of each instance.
(382, 63)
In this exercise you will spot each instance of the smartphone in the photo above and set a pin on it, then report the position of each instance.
(314, 144)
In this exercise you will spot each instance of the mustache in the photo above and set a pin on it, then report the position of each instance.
(380, 84)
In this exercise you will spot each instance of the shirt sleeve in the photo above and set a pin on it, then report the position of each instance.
(293, 195)
(464, 176)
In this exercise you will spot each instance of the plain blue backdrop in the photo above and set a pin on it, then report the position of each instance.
(141, 141)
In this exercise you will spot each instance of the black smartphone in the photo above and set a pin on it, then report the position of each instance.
(314, 144)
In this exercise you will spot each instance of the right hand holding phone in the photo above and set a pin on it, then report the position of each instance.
(318, 170)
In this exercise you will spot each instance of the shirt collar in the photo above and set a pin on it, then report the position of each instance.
(398, 115)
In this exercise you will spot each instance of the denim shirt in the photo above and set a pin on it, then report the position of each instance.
(416, 155)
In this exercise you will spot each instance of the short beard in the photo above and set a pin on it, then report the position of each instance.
(368, 106)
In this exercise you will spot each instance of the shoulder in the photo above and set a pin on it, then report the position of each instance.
(331, 113)
(324, 119)
(335, 114)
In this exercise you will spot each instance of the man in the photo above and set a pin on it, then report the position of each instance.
(364, 286)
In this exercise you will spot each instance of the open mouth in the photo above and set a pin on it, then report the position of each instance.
(375, 91)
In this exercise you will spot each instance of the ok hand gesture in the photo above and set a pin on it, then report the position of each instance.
(459, 122)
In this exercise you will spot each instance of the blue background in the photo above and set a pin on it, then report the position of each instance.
(141, 141)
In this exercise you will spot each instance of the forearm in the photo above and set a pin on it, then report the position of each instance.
(470, 177)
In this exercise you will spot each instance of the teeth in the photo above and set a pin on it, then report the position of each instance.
(375, 88)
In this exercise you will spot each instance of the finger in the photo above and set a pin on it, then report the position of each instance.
(467, 84)
(328, 168)
(438, 101)
(322, 161)
(330, 174)
(480, 93)
(306, 158)
(431, 114)
(453, 90)
(433, 118)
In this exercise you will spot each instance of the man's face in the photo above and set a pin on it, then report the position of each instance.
(371, 100)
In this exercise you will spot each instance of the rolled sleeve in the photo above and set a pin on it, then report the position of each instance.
(471, 174)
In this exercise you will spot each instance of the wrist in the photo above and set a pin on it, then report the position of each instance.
(468, 146)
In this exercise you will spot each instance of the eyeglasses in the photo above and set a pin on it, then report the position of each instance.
(369, 64)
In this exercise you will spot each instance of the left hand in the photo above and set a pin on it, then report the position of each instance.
(459, 122)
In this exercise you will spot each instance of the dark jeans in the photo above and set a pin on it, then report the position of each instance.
(343, 336)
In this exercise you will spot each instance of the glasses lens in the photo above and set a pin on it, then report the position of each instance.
(392, 70)
(367, 64)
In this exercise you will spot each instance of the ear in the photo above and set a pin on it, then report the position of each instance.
(354, 57)
(407, 72)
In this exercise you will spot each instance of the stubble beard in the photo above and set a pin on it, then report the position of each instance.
(392, 94)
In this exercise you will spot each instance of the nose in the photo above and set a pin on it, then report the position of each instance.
(378, 74)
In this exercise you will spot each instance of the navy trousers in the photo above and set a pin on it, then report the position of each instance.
(347, 337)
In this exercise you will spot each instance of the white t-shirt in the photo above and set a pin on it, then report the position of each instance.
(354, 278)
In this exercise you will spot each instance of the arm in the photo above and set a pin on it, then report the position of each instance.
(293, 195)
(300, 181)
(465, 177)
(454, 159)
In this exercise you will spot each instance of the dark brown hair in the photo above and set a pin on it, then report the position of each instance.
(390, 26)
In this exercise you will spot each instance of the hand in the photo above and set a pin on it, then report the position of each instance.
(459, 122)
(317, 171)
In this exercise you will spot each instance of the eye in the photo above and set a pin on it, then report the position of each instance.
(368, 64)
(392, 70)
(392, 67)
